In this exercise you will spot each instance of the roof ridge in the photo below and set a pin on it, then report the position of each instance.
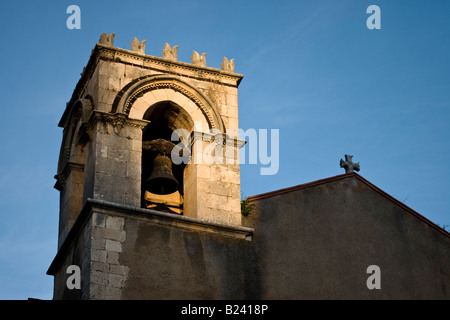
(360, 178)
(402, 205)
(300, 186)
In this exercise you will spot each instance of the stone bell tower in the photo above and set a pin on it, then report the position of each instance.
(144, 137)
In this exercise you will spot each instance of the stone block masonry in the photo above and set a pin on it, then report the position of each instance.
(108, 276)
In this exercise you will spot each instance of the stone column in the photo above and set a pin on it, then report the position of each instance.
(113, 164)
(212, 179)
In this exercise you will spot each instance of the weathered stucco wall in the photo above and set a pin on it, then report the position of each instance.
(176, 263)
(317, 242)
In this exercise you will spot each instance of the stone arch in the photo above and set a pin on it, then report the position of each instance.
(170, 114)
(71, 151)
(164, 118)
(140, 94)
(72, 158)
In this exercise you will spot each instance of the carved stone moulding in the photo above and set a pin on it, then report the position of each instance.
(61, 177)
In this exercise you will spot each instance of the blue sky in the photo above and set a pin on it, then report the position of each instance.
(312, 69)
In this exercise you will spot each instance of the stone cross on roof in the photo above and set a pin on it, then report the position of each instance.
(348, 164)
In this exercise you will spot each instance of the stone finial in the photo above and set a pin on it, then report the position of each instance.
(170, 53)
(227, 65)
(107, 40)
(138, 47)
(198, 60)
(348, 164)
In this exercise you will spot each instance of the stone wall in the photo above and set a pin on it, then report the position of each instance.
(126, 252)
(108, 276)
(113, 167)
(74, 251)
(311, 242)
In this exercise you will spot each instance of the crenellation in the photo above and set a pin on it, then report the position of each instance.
(227, 65)
(137, 46)
(169, 56)
(107, 40)
(170, 53)
(198, 59)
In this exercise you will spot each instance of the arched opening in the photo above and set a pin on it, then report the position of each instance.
(158, 170)
(134, 99)
(70, 177)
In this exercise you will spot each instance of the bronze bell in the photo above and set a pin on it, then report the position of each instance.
(161, 180)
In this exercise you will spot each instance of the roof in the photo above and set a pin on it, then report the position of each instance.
(345, 176)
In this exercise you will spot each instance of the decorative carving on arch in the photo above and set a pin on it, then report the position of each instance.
(136, 89)
(69, 133)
